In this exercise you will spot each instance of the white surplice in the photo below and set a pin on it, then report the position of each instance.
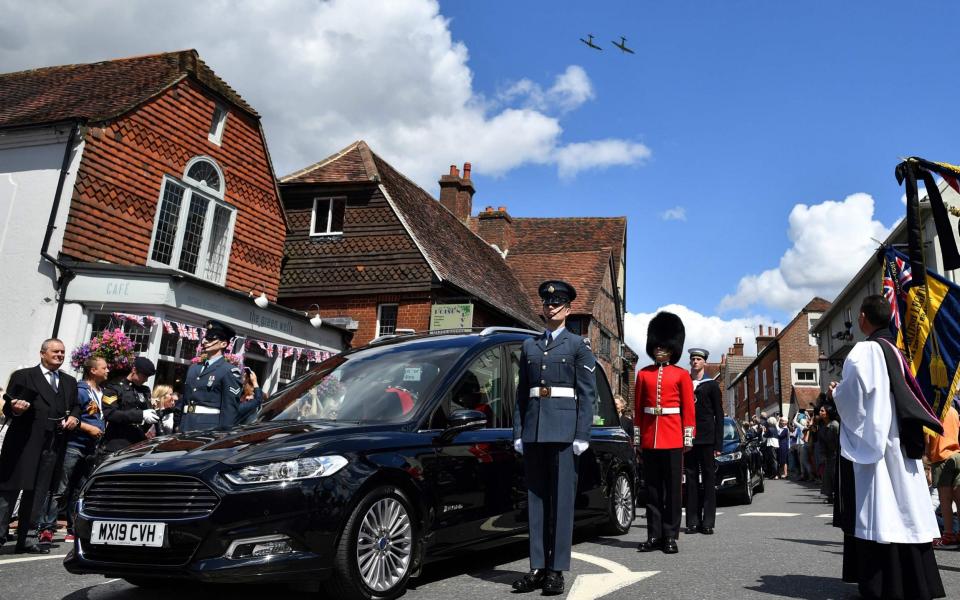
(892, 498)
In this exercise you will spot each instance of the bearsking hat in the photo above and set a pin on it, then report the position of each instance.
(666, 330)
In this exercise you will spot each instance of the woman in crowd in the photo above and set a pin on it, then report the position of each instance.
(163, 400)
(830, 436)
(783, 451)
(251, 398)
(771, 447)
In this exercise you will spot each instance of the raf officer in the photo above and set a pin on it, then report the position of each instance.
(700, 462)
(551, 427)
(126, 407)
(211, 398)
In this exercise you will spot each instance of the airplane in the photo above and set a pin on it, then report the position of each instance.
(589, 42)
(623, 45)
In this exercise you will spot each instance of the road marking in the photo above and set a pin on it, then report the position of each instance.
(7, 561)
(769, 514)
(825, 516)
(589, 587)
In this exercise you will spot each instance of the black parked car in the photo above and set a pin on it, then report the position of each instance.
(377, 461)
(740, 466)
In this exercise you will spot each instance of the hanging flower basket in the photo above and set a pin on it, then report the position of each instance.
(112, 345)
(234, 359)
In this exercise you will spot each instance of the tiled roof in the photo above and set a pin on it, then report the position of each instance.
(353, 164)
(103, 90)
(583, 270)
(455, 253)
(579, 234)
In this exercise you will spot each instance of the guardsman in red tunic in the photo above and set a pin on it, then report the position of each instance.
(666, 420)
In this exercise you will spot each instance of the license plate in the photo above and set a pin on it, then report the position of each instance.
(128, 533)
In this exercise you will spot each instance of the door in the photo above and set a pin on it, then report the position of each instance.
(478, 467)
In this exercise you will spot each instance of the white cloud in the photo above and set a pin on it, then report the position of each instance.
(324, 74)
(573, 158)
(830, 242)
(677, 213)
(570, 90)
(702, 331)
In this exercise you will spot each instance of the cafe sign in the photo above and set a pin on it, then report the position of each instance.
(451, 316)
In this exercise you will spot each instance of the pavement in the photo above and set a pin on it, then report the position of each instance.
(781, 546)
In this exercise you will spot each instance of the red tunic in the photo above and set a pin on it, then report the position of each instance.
(664, 431)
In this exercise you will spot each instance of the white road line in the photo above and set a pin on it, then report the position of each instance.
(591, 586)
(19, 559)
(825, 516)
(769, 514)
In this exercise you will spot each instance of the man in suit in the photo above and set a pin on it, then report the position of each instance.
(211, 398)
(552, 417)
(43, 407)
(700, 462)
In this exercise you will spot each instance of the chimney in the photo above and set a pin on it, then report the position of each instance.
(456, 193)
(496, 227)
(737, 347)
(763, 340)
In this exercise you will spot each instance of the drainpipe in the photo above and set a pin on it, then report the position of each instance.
(66, 275)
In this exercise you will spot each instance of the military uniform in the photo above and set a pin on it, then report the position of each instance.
(123, 406)
(211, 394)
(554, 408)
(665, 418)
(700, 463)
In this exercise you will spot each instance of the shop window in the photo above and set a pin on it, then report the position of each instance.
(193, 229)
(138, 334)
(327, 216)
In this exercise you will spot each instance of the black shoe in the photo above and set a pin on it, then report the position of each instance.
(706, 530)
(670, 546)
(650, 545)
(553, 583)
(531, 581)
(32, 550)
(691, 529)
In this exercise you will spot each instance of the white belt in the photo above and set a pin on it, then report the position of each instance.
(659, 410)
(203, 410)
(552, 392)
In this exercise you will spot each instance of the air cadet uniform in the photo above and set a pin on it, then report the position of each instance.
(665, 418)
(124, 403)
(552, 418)
(700, 462)
(211, 396)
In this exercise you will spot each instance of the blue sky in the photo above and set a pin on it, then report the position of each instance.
(750, 144)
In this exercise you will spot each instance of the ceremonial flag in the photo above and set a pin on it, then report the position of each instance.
(926, 322)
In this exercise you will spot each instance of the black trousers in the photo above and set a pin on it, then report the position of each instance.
(32, 501)
(661, 473)
(699, 462)
(551, 471)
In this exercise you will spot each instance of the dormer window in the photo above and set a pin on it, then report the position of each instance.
(217, 124)
(327, 217)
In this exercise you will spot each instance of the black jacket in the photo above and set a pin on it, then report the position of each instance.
(123, 406)
(27, 432)
(709, 409)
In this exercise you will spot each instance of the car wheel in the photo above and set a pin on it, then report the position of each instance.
(375, 555)
(746, 495)
(620, 509)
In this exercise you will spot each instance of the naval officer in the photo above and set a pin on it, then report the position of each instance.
(700, 462)
(551, 428)
(211, 397)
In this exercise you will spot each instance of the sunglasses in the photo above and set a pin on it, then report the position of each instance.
(552, 304)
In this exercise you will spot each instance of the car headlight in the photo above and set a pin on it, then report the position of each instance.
(288, 470)
(730, 457)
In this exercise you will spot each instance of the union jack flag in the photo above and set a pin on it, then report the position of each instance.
(890, 293)
(905, 277)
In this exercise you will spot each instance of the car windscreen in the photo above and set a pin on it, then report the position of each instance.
(374, 385)
(730, 433)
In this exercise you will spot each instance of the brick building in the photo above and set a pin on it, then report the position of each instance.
(783, 377)
(367, 243)
(152, 180)
(732, 364)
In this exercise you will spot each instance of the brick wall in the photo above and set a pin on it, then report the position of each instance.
(605, 315)
(121, 173)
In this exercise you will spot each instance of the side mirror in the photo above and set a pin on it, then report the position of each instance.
(460, 421)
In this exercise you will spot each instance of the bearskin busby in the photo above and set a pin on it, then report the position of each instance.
(666, 330)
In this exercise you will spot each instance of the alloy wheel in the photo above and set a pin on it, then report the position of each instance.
(384, 544)
(623, 501)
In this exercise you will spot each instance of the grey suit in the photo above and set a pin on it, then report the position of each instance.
(548, 423)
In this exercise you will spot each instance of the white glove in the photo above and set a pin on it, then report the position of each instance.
(150, 416)
(579, 446)
(688, 437)
(518, 445)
